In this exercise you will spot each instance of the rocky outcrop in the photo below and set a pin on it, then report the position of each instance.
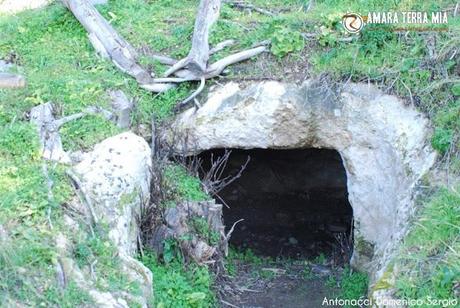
(383, 143)
(115, 179)
(197, 227)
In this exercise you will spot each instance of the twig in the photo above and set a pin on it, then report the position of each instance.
(91, 269)
(172, 80)
(410, 92)
(89, 110)
(164, 59)
(229, 233)
(228, 304)
(221, 46)
(157, 87)
(245, 5)
(86, 200)
(217, 67)
(49, 182)
(194, 94)
(179, 65)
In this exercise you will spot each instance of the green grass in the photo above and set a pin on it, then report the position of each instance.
(184, 186)
(353, 285)
(430, 259)
(400, 64)
(179, 285)
(53, 52)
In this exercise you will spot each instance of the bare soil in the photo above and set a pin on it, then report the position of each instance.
(289, 284)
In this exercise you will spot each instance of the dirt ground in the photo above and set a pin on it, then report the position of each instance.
(287, 284)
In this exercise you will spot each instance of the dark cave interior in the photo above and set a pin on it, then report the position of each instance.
(294, 202)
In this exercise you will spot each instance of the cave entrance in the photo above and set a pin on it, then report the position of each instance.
(294, 202)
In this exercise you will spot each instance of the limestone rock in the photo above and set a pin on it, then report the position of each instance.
(116, 177)
(383, 143)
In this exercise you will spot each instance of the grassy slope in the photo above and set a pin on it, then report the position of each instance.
(55, 55)
(430, 258)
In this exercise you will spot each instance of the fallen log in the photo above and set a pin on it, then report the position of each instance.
(11, 81)
(107, 41)
(244, 5)
(194, 67)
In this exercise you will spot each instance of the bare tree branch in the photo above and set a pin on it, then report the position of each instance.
(194, 94)
(221, 46)
(244, 5)
(197, 59)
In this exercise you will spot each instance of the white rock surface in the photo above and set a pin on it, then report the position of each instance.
(16, 6)
(383, 143)
(116, 177)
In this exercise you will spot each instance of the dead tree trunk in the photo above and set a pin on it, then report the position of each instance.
(197, 59)
(193, 67)
(208, 13)
(107, 41)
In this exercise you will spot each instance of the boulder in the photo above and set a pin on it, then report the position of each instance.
(115, 177)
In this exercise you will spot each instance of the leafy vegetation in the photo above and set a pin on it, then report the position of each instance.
(179, 285)
(285, 41)
(184, 186)
(430, 259)
(353, 285)
(201, 227)
(52, 50)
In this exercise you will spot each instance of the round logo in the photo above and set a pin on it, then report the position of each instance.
(352, 22)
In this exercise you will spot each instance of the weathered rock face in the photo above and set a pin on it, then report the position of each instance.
(181, 222)
(384, 146)
(116, 178)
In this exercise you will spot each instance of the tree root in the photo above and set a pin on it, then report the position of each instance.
(195, 67)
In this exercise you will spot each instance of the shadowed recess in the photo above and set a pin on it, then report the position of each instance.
(294, 202)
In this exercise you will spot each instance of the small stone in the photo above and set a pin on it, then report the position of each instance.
(293, 241)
